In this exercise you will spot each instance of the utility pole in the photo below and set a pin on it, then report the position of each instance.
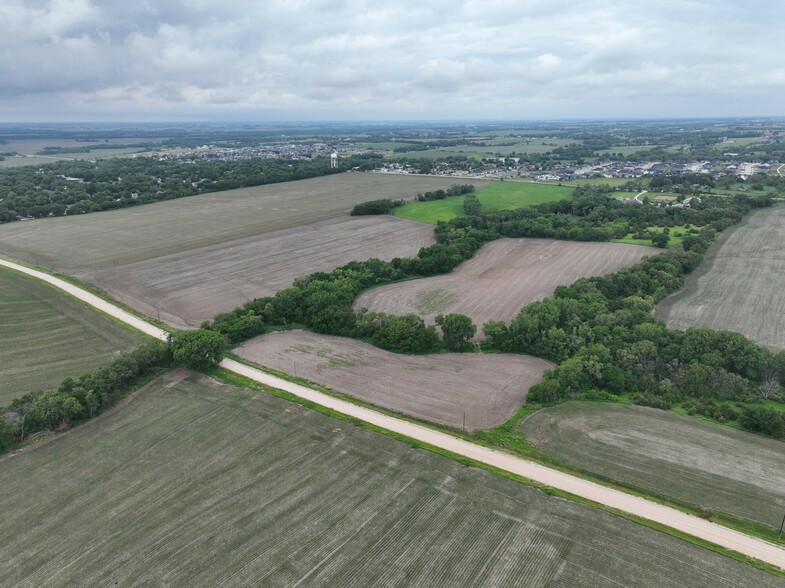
(782, 524)
(464, 428)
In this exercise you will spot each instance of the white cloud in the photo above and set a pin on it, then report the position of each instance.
(357, 58)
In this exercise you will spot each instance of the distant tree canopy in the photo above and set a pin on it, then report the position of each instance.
(384, 206)
(80, 187)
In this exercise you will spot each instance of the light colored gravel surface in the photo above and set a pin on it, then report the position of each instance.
(622, 501)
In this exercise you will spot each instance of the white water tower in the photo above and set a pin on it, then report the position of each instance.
(333, 160)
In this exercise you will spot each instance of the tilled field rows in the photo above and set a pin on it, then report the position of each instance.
(702, 463)
(740, 285)
(185, 289)
(501, 278)
(78, 244)
(46, 335)
(472, 389)
(202, 484)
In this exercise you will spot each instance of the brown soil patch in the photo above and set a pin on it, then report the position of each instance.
(740, 285)
(488, 387)
(185, 289)
(82, 243)
(501, 278)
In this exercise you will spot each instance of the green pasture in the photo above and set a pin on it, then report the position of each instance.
(506, 195)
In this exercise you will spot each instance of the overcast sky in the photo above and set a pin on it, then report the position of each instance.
(93, 60)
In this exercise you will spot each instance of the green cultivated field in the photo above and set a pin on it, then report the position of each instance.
(198, 483)
(699, 462)
(500, 195)
(46, 336)
(76, 244)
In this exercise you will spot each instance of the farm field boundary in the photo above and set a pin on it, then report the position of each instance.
(742, 273)
(294, 497)
(698, 462)
(46, 336)
(635, 506)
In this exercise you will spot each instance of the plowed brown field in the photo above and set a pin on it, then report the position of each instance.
(102, 240)
(740, 286)
(501, 278)
(185, 289)
(488, 388)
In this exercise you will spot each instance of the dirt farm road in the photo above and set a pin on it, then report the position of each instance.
(646, 509)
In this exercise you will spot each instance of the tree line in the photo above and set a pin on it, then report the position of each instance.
(85, 397)
(79, 187)
(600, 331)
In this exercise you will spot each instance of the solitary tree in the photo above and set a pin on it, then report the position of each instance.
(198, 349)
(457, 330)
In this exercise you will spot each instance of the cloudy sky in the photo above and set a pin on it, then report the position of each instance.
(93, 60)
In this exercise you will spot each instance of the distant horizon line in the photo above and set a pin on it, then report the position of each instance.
(382, 122)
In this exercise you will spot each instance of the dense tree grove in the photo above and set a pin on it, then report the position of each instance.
(600, 331)
(383, 206)
(198, 349)
(81, 398)
(78, 187)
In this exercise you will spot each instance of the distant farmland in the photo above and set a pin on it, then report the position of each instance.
(501, 278)
(699, 462)
(740, 286)
(487, 388)
(46, 336)
(187, 288)
(196, 483)
(498, 195)
(78, 244)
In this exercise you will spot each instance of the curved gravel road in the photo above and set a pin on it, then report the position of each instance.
(675, 519)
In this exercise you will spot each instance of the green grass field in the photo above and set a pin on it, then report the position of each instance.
(46, 336)
(699, 462)
(677, 235)
(506, 195)
(200, 483)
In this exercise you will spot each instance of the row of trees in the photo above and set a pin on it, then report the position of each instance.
(79, 187)
(82, 398)
(600, 331)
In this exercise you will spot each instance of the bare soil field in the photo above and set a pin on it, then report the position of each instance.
(487, 387)
(187, 288)
(198, 483)
(501, 278)
(77, 244)
(703, 463)
(46, 336)
(740, 286)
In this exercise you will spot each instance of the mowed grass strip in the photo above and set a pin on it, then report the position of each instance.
(501, 278)
(499, 195)
(46, 336)
(740, 286)
(199, 483)
(474, 390)
(701, 463)
(77, 244)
